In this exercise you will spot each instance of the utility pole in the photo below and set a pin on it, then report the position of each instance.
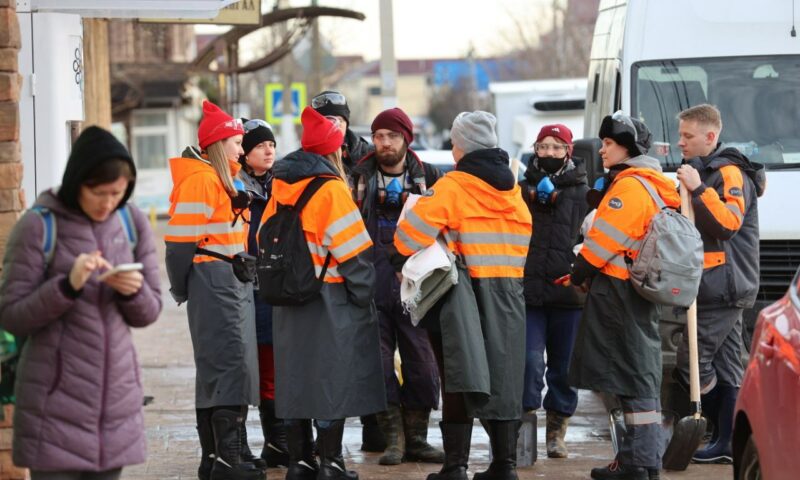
(388, 61)
(315, 85)
(288, 134)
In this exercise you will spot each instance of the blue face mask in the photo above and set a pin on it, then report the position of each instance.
(393, 193)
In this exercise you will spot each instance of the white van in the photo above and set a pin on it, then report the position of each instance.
(654, 58)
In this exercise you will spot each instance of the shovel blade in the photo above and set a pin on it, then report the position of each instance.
(686, 438)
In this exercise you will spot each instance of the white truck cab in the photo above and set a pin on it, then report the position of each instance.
(654, 58)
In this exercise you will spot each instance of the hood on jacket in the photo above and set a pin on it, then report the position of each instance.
(491, 198)
(192, 162)
(731, 156)
(665, 186)
(368, 165)
(295, 171)
(92, 148)
(489, 165)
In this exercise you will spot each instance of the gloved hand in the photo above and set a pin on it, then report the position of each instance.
(545, 191)
(600, 184)
(595, 194)
(241, 200)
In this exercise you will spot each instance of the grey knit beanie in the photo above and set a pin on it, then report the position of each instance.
(474, 131)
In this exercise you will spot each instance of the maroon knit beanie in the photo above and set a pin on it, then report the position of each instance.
(559, 131)
(395, 120)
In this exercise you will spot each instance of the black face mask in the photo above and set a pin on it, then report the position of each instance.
(551, 164)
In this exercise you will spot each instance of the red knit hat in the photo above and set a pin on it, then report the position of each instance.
(216, 125)
(559, 131)
(320, 135)
(395, 120)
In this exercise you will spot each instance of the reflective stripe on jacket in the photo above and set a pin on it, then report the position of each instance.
(200, 211)
(331, 222)
(489, 228)
(622, 219)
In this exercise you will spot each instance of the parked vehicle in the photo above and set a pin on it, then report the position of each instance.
(766, 434)
(653, 59)
(523, 108)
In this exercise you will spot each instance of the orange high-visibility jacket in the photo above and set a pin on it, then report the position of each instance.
(200, 210)
(331, 222)
(489, 228)
(622, 219)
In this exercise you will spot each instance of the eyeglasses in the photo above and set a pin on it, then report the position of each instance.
(391, 136)
(555, 147)
(333, 98)
(255, 123)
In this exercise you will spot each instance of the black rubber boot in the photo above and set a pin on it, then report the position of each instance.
(415, 426)
(276, 449)
(247, 454)
(391, 423)
(330, 453)
(619, 471)
(710, 406)
(300, 441)
(456, 438)
(228, 464)
(371, 436)
(206, 435)
(503, 438)
(721, 450)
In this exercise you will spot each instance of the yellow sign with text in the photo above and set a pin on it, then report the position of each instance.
(243, 12)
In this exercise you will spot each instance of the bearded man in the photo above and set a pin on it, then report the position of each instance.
(382, 181)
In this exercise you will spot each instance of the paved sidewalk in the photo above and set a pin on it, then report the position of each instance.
(165, 354)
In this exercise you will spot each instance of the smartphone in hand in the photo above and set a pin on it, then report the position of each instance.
(123, 267)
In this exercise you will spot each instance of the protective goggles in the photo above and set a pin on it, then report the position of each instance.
(255, 123)
(332, 98)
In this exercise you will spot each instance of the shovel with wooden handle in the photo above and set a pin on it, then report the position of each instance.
(689, 431)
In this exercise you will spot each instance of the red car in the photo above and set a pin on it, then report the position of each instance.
(766, 438)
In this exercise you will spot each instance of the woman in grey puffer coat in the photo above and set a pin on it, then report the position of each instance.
(79, 392)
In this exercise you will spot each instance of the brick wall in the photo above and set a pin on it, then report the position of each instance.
(11, 201)
(11, 198)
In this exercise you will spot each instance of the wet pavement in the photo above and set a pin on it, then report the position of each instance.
(165, 355)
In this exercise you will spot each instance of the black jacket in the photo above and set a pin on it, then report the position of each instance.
(556, 230)
(365, 188)
(731, 266)
(354, 149)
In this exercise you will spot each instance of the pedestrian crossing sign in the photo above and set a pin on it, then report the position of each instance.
(273, 102)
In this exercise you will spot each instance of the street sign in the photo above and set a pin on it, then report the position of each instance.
(273, 102)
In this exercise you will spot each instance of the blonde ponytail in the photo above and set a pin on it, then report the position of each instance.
(336, 158)
(219, 161)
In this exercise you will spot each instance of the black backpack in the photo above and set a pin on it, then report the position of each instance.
(284, 267)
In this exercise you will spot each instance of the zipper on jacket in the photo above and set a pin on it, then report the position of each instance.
(100, 422)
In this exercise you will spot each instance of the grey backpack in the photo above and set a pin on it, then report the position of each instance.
(670, 262)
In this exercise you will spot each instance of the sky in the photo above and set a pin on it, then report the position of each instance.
(430, 28)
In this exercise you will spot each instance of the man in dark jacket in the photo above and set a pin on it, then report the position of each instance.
(382, 182)
(725, 188)
(333, 104)
(554, 189)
